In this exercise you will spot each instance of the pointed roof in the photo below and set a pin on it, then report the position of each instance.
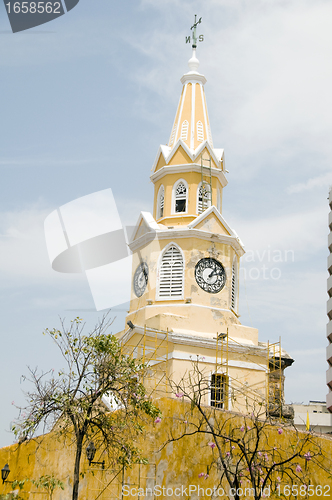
(191, 123)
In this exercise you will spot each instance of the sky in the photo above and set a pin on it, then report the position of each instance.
(87, 99)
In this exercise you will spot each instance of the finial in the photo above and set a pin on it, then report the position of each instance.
(193, 61)
(194, 26)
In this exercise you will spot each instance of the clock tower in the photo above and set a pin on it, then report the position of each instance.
(186, 258)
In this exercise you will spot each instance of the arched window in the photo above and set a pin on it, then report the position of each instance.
(180, 197)
(203, 195)
(200, 133)
(218, 394)
(234, 284)
(160, 202)
(184, 130)
(171, 274)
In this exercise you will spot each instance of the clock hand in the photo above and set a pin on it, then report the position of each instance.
(213, 273)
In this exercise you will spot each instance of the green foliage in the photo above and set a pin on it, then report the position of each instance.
(19, 483)
(10, 496)
(70, 402)
(49, 484)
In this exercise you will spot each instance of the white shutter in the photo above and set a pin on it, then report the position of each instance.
(184, 130)
(200, 134)
(171, 274)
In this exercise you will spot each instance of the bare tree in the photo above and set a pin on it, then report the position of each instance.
(70, 403)
(253, 454)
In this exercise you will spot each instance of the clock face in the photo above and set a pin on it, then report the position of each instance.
(210, 275)
(141, 279)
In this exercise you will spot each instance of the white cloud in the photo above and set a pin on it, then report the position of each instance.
(304, 232)
(312, 183)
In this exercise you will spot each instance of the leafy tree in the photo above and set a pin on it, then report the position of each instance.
(48, 483)
(253, 455)
(70, 403)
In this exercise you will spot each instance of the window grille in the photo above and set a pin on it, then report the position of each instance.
(233, 298)
(218, 390)
(171, 274)
(173, 135)
(207, 198)
(184, 130)
(180, 197)
(161, 201)
(200, 134)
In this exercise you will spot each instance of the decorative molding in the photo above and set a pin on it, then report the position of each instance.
(187, 167)
(168, 152)
(187, 233)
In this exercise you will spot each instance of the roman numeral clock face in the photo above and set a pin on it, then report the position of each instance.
(210, 275)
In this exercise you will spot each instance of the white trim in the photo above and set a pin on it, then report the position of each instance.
(191, 167)
(189, 304)
(202, 342)
(192, 131)
(186, 232)
(175, 185)
(168, 152)
(185, 356)
(205, 113)
(219, 200)
(159, 263)
(193, 78)
(150, 223)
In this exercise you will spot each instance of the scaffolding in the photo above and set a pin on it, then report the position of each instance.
(274, 388)
(275, 380)
(152, 349)
(112, 484)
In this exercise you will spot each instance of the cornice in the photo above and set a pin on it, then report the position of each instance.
(172, 234)
(194, 341)
(187, 167)
(193, 78)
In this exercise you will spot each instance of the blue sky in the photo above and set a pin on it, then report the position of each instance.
(85, 102)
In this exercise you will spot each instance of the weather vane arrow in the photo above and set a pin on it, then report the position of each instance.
(194, 36)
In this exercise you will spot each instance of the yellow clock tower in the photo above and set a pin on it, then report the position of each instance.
(185, 286)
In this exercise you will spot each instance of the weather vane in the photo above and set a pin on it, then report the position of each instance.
(194, 37)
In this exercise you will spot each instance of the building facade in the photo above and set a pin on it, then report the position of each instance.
(185, 287)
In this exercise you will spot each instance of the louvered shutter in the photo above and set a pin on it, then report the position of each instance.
(171, 274)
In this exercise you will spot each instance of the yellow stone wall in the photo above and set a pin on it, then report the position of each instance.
(193, 179)
(171, 466)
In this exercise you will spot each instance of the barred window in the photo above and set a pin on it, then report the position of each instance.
(180, 197)
(171, 278)
(218, 390)
(206, 192)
